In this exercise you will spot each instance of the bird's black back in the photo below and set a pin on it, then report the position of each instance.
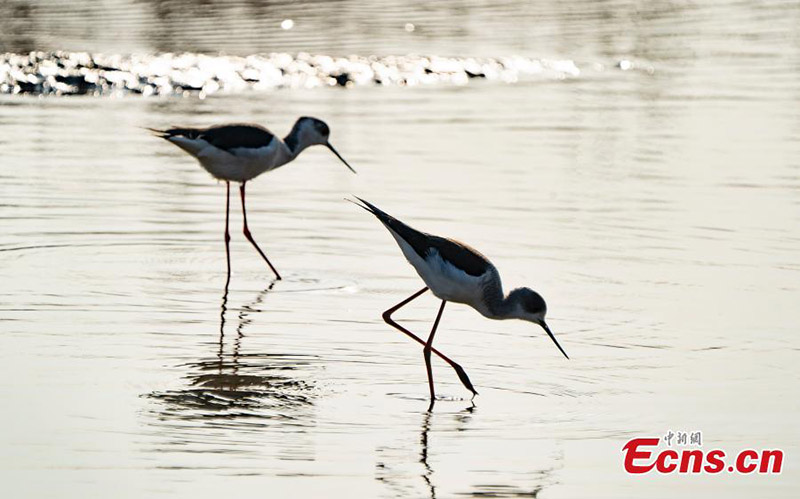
(459, 254)
(227, 137)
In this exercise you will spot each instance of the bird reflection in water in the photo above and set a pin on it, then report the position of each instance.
(428, 471)
(393, 468)
(236, 385)
(394, 472)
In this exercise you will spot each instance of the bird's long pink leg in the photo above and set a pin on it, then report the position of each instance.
(387, 317)
(250, 236)
(427, 351)
(227, 232)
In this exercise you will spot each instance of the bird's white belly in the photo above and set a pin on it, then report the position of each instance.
(444, 279)
(238, 166)
(449, 283)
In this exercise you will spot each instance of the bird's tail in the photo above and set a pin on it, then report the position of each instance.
(381, 215)
(189, 133)
(158, 133)
(408, 234)
(419, 241)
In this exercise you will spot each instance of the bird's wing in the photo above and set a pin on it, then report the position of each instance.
(459, 254)
(225, 137)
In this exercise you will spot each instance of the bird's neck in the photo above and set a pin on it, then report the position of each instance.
(295, 142)
(497, 305)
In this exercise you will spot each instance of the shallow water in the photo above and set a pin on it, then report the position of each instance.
(657, 214)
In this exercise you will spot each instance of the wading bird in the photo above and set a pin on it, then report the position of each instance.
(241, 152)
(455, 272)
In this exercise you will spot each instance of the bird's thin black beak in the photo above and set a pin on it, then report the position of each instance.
(550, 333)
(339, 156)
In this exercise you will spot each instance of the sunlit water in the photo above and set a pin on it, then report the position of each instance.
(657, 213)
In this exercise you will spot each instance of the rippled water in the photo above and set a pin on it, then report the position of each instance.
(657, 213)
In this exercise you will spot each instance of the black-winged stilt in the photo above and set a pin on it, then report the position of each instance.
(240, 152)
(456, 272)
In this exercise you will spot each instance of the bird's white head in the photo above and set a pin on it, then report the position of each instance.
(529, 305)
(308, 131)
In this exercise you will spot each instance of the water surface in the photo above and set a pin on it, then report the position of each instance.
(657, 213)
